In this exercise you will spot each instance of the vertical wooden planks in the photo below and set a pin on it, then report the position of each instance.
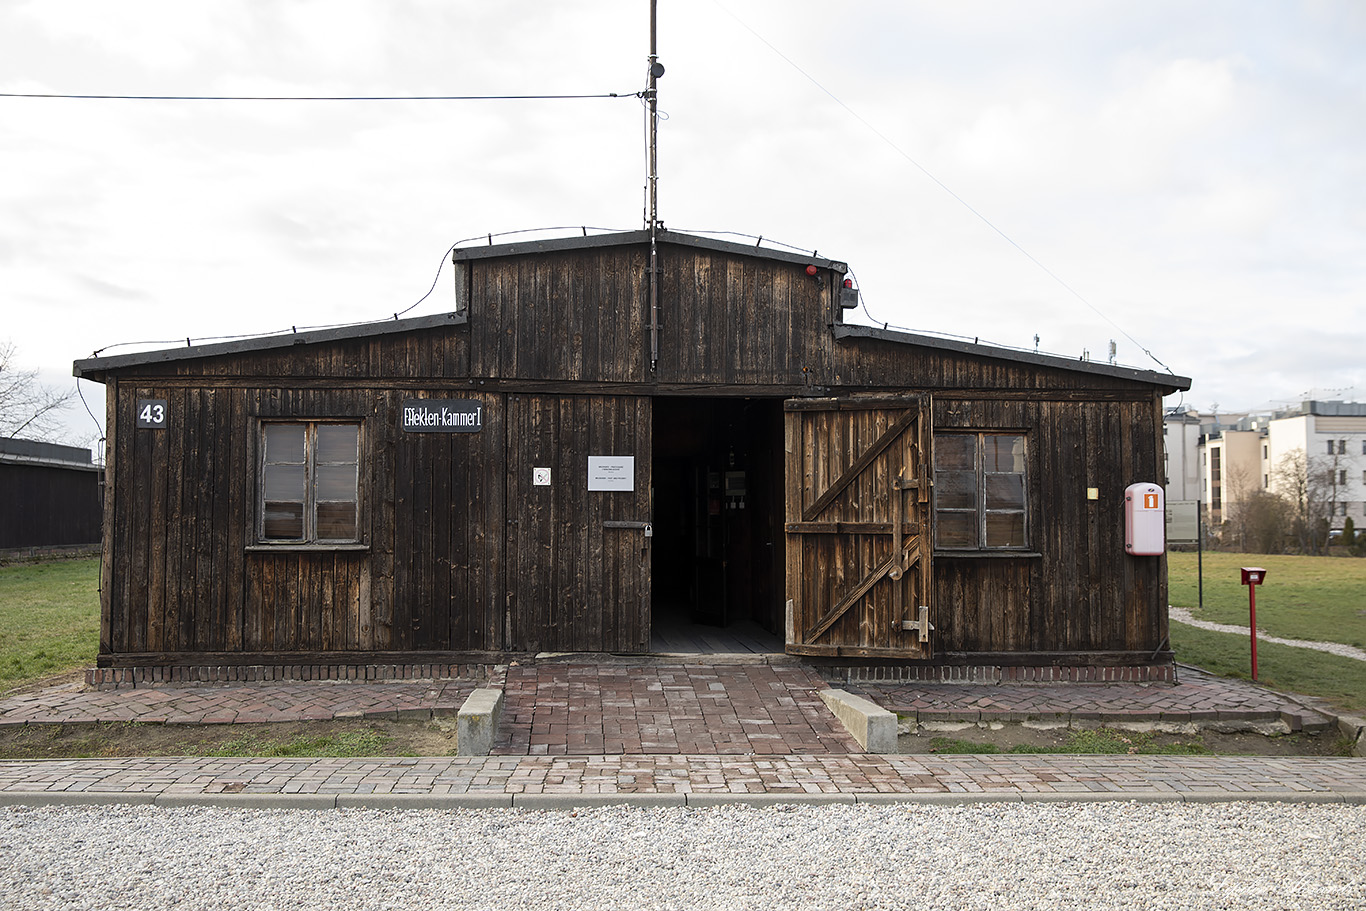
(112, 541)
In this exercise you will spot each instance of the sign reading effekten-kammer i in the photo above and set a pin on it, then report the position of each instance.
(443, 415)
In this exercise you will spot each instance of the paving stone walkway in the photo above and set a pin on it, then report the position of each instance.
(670, 733)
(589, 709)
(1199, 697)
(238, 704)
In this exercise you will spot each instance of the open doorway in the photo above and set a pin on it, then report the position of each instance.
(717, 558)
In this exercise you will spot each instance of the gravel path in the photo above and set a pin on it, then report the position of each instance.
(988, 856)
(1183, 615)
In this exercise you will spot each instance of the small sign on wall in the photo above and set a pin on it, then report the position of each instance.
(152, 413)
(611, 472)
(1183, 521)
(443, 416)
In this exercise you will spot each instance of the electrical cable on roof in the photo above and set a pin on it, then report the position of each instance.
(986, 221)
(296, 329)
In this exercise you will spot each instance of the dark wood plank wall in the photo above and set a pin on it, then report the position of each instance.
(186, 578)
(573, 583)
(567, 316)
(739, 321)
(400, 358)
(876, 364)
(556, 344)
(1081, 592)
(47, 506)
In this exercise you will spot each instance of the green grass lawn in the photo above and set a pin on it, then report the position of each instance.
(1285, 668)
(1319, 598)
(49, 619)
(1315, 598)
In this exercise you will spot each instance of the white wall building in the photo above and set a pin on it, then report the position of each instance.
(1333, 437)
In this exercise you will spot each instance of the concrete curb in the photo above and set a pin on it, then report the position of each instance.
(250, 801)
(559, 802)
(491, 801)
(586, 801)
(476, 724)
(1352, 728)
(869, 723)
(73, 798)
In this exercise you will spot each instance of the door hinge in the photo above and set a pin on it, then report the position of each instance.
(921, 626)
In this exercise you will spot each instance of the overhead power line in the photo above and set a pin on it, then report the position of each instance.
(943, 186)
(60, 96)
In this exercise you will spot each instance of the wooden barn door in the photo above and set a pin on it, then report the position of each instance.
(859, 526)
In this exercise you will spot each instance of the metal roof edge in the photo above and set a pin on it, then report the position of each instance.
(1152, 377)
(94, 368)
(8, 458)
(629, 238)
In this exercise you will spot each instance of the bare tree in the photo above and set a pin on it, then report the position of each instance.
(1260, 522)
(1308, 487)
(27, 407)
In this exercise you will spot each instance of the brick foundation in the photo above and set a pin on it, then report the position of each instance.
(995, 674)
(110, 678)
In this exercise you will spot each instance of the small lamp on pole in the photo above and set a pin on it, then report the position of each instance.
(1253, 576)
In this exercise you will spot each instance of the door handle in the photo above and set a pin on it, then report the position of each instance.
(646, 527)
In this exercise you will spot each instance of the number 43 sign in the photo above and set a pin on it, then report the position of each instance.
(152, 413)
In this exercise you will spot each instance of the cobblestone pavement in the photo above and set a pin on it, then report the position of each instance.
(531, 781)
(238, 704)
(1199, 697)
(651, 732)
(587, 709)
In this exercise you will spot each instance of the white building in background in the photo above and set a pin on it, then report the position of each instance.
(1333, 437)
(1181, 444)
(1220, 458)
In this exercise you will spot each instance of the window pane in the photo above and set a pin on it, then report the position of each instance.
(955, 450)
(1005, 529)
(955, 529)
(336, 482)
(1003, 452)
(284, 520)
(1005, 491)
(338, 442)
(284, 442)
(955, 489)
(337, 521)
(284, 482)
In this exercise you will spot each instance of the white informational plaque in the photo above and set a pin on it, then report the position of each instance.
(611, 472)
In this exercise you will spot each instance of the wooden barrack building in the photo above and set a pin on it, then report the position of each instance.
(571, 457)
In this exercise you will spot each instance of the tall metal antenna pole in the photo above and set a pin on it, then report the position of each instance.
(652, 103)
(652, 178)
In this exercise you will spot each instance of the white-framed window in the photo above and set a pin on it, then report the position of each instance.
(980, 491)
(309, 483)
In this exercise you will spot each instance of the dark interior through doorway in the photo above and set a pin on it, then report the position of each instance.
(717, 559)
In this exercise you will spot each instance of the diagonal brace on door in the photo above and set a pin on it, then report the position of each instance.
(906, 561)
(853, 471)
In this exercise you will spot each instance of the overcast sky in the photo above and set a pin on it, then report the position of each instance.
(1192, 175)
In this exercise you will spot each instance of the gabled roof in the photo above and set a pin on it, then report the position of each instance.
(628, 238)
(95, 368)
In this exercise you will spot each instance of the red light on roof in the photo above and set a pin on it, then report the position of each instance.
(811, 269)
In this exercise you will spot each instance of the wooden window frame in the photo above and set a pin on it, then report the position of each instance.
(310, 539)
(980, 510)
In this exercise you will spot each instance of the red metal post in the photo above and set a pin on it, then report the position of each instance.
(1252, 622)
